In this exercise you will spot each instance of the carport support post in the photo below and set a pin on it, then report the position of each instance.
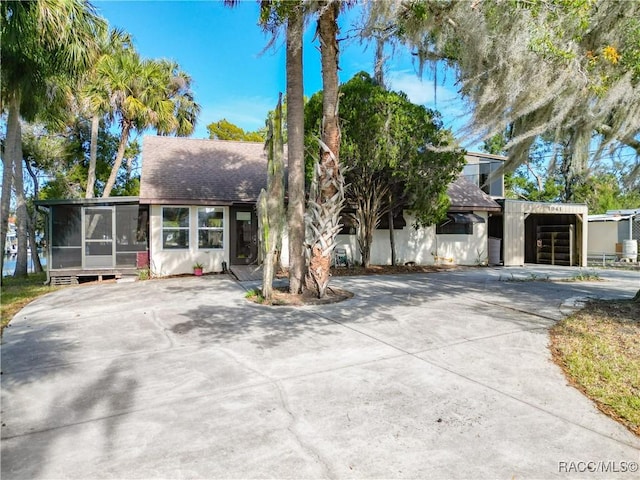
(581, 245)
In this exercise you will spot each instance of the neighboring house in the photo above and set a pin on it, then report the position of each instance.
(197, 204)
(614, 235)
(11, 239)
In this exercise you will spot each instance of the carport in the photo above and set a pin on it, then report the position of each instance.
(544, 233)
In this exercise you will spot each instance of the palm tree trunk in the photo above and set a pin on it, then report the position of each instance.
(14, 149)
(13, 134)
(295, 128)
(330, 191)
(93, 155)
(124, 138)
(328, 28)
(22, 215)
(7, 185)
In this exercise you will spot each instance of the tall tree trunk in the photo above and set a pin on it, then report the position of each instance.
(124, 138)
(328, 29)
(14, 149)
(392, 240)
(22, 215)
(8, 156)
(378, 67)
(330, 181)
(93, 156)
(295, 129)
(33, 220)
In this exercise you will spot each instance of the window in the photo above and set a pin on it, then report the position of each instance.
(449, 227)
(175, 227)
(210, 227)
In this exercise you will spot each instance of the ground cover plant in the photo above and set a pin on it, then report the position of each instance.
(18, 292)
(598, 348)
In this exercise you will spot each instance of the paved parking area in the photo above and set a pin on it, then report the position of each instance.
(442, 375)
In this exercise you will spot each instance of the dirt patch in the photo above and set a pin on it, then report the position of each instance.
(281, 296)
(390, 269)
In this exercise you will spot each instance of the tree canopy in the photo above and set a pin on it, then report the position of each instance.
(225, 130)
(566, 69)
(41, 41)
(396, 154)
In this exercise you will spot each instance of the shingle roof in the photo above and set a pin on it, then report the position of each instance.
(200, 171)
(465, 196)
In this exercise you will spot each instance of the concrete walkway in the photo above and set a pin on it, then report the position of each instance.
(443, 375)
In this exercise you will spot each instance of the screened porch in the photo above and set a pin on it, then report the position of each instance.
(101, 238)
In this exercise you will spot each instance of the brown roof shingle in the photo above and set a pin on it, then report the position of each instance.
(201, 171)
(465, 196)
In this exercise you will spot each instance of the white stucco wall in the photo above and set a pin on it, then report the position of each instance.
(177, 261)
(423, 246)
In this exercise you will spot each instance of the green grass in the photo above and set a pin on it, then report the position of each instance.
(584, 277)
(254, 295)
(18, 292)
(599, 351)
(532, 277)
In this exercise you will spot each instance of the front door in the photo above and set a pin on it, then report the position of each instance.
(98, 237)
(244, 237)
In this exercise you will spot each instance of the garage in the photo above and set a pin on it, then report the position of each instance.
(544, 233)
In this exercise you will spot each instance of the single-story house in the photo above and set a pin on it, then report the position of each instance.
(197, 205)
(201, 196)
(614, 235)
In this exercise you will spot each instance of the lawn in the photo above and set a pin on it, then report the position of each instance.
(17, 292)
(599, 350)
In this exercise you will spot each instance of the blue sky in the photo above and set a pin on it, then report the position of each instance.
(234, 78)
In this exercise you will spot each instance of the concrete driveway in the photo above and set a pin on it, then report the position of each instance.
(442, 375)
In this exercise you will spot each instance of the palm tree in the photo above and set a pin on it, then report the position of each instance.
(95, 95)
(40, 40)
(324, 211)
(295, 142)
(146, 93)
(274, 15)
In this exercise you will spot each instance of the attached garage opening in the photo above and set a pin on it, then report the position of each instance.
(552, 239)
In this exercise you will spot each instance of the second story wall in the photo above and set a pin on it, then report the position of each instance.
(478, 169)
